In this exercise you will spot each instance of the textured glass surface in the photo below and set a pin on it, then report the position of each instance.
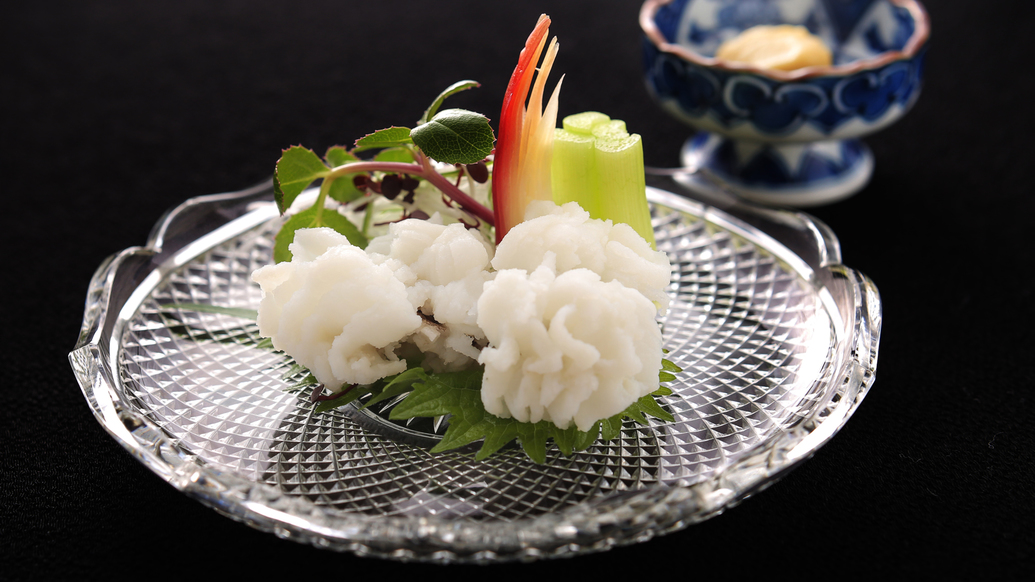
(776, 353)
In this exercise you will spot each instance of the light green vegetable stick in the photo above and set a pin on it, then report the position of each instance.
(597, 163)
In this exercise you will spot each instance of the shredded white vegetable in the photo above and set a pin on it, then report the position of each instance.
(562, 314)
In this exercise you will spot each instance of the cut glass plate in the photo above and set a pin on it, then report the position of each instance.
(777, 341)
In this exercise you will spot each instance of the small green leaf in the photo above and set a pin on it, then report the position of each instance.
(501, 433)
(286, 234)
(398, 384)
(385, 138)
(585, 439)
(344, 226)
(297, 168)
(339, 156)
(399, 154)
(610, 428)
(455, 136)
(648, 405)
(668, 366)
(566, 439)
(312, 218)
(533, 439)
(451, 90)
(343, 189)
(462, 430)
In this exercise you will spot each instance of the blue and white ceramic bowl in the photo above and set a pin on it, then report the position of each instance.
(785, 137)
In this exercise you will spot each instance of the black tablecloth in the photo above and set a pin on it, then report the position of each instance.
(114, 112)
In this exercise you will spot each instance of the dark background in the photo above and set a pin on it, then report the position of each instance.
(113, 112)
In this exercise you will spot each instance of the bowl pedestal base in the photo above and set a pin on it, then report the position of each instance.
(781, 174)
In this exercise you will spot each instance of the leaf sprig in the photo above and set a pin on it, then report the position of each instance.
(450, 136)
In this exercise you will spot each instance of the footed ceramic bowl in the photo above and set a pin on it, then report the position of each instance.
(785, 137)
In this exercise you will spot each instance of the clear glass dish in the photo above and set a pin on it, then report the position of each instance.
(777, 339)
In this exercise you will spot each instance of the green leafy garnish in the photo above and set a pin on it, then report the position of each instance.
(339, 156)
(297, 168)
(314, 217)
(385, 138)
(455, 136)
(450, 90)
(458, 394)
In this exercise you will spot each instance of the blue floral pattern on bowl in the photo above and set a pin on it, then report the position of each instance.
(878, 48)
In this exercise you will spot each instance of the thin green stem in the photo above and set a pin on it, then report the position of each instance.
(422, 169)
(325, 187)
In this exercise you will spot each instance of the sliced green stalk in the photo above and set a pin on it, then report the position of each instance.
(622, 186)
(583, 123)
(573, 175)
(599, 164)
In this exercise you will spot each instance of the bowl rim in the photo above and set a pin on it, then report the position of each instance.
(913, 46)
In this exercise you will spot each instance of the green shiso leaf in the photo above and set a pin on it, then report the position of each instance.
(455, 136)
(398, 384)
(297, 168)
(385, 138)
(458, 394)
(451, 90)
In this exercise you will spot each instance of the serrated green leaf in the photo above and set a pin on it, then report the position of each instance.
(565, 439)
(398, 384)
(455, 136)
(339, 156)
(610, 428)
(385, 138)
(458, 394)
(312, 218)
(343, 189)
(427, 399)
(499, 435)
(584, 439)
(648, 405)
(533, 437)
(668, 366)
(399, 154)
(297, 168)
(462, 430)
(439, 394)
(344, 226)
(450, 90)
(665, 377)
